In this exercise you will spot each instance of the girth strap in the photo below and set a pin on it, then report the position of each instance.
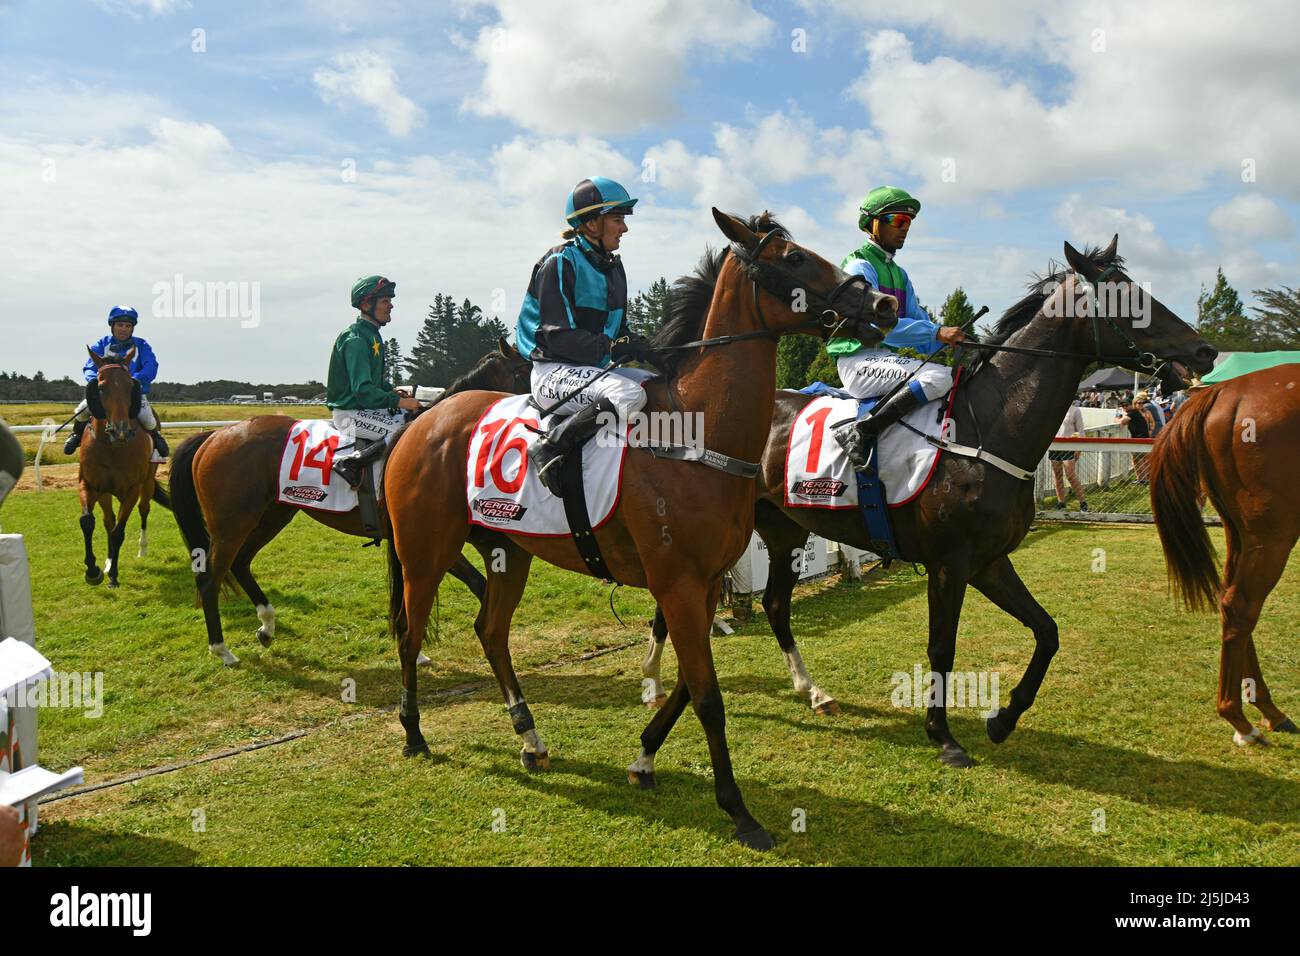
(705, 456)
(981, 454)
(579, 518)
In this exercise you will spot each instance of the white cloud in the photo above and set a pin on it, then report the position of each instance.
(135, 8)
(1252, 217)
(586, 66)
(544, 171)
(368, 79)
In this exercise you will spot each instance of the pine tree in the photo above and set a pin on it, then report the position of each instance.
(393, 361)
(1279, 317)
(824, 369)
(428, 364)
(795, 354)
(957, 310)
(1221, 320)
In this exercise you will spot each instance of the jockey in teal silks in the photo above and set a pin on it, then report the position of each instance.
(144, 369)
(573, 324)
(886, 216)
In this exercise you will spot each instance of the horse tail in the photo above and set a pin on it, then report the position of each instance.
(184, 498)
(396, 593)
(1179, 472)
(161, 496)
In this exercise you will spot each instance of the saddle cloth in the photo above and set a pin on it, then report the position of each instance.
(818, 473)
(502, 487)
(307, 478)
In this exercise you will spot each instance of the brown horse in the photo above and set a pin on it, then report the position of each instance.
(224, 490)
(1239, 443)
(972, 515)
(678, 525)
(115, 462)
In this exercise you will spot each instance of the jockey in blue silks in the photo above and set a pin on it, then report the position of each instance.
(573, 324)
(144, 369)
(886, 217)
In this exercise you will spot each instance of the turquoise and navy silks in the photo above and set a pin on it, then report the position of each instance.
(144, 369)
(871, 491)
(575, 306)
(915, 329)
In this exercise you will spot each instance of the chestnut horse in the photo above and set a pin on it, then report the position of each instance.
(678, 525)
(1239, 443)
(972, 514)
(114, 462)
(224, 486)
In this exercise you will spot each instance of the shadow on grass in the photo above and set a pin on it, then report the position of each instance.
(841, 831)
(82, 844)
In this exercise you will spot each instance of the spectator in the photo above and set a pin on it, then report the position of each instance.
(1064, 461)
(1143, 398)
(1140, 425)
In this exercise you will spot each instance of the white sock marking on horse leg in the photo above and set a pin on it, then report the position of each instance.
(1256, 736)
(144, 544)
(266, 614)
(651, 688)
(423, 659)
(643, 764)
(798, 673)
(108, 565)
(221, 651)
(533, 741)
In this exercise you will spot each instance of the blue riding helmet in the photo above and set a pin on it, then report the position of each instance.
(119, 314)
(595, 197)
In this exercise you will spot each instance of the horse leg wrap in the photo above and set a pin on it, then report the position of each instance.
(521, 718)
(410, 707)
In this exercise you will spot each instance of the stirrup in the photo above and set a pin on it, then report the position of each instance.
(349, 469)
(849, 438)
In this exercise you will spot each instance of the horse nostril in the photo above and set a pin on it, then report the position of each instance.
(887, 307)
(1207, 353)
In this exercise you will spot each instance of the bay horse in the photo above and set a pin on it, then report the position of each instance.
(114, 461)
(1239, 443)
(224, 493)
(678, 525)
(972, 515)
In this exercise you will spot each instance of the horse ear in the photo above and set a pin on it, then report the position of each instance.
(734, 229)
(130, 356)
(94, 357)
(503, 346)
(1079, 262)
(1113, 248)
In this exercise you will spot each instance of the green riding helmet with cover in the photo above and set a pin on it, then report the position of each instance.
(372, 287)
(883, 200)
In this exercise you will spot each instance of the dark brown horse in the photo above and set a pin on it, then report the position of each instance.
(678, 525)
(972, 515)
(1239, 443)
(224, 489)
(115, 463)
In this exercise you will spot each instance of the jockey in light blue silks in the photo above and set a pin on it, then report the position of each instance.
(886, 216)
(144, 369)
(573, 324)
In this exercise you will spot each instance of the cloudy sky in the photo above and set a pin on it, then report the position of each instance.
(292, 147)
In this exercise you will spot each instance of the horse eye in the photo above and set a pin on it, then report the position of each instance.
(794, 258)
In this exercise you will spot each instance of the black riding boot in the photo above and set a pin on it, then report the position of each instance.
(74, 440)
(855, 437)
(349, 467)
(550, 449)
(159, 445)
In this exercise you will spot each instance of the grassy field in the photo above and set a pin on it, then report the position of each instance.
(1124, 726)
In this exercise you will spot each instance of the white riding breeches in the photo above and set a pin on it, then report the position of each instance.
(147, 419)
(371, 424)
(552, 381)
(868, 373)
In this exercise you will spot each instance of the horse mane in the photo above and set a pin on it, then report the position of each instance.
(1039, 288)
(475, 378)
(688, 302)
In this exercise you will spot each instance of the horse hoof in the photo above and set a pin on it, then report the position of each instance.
(756, 839)
(1287, 727)
(423, 659)
(955, 757)
(827, 709)
(264, 637)
(998, 730)
(645, 779)
(95, 576)
(417, 749)
(1256, 736)
(112, 582)
(220, 651)
(535, 762)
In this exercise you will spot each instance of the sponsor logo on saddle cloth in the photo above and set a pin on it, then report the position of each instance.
(307, 478)
(501, 484)
(819, 475)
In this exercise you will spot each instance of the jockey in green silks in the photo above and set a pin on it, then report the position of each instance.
(886, 217)
(364, 404)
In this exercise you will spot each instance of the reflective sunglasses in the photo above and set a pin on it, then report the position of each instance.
(897, 219)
